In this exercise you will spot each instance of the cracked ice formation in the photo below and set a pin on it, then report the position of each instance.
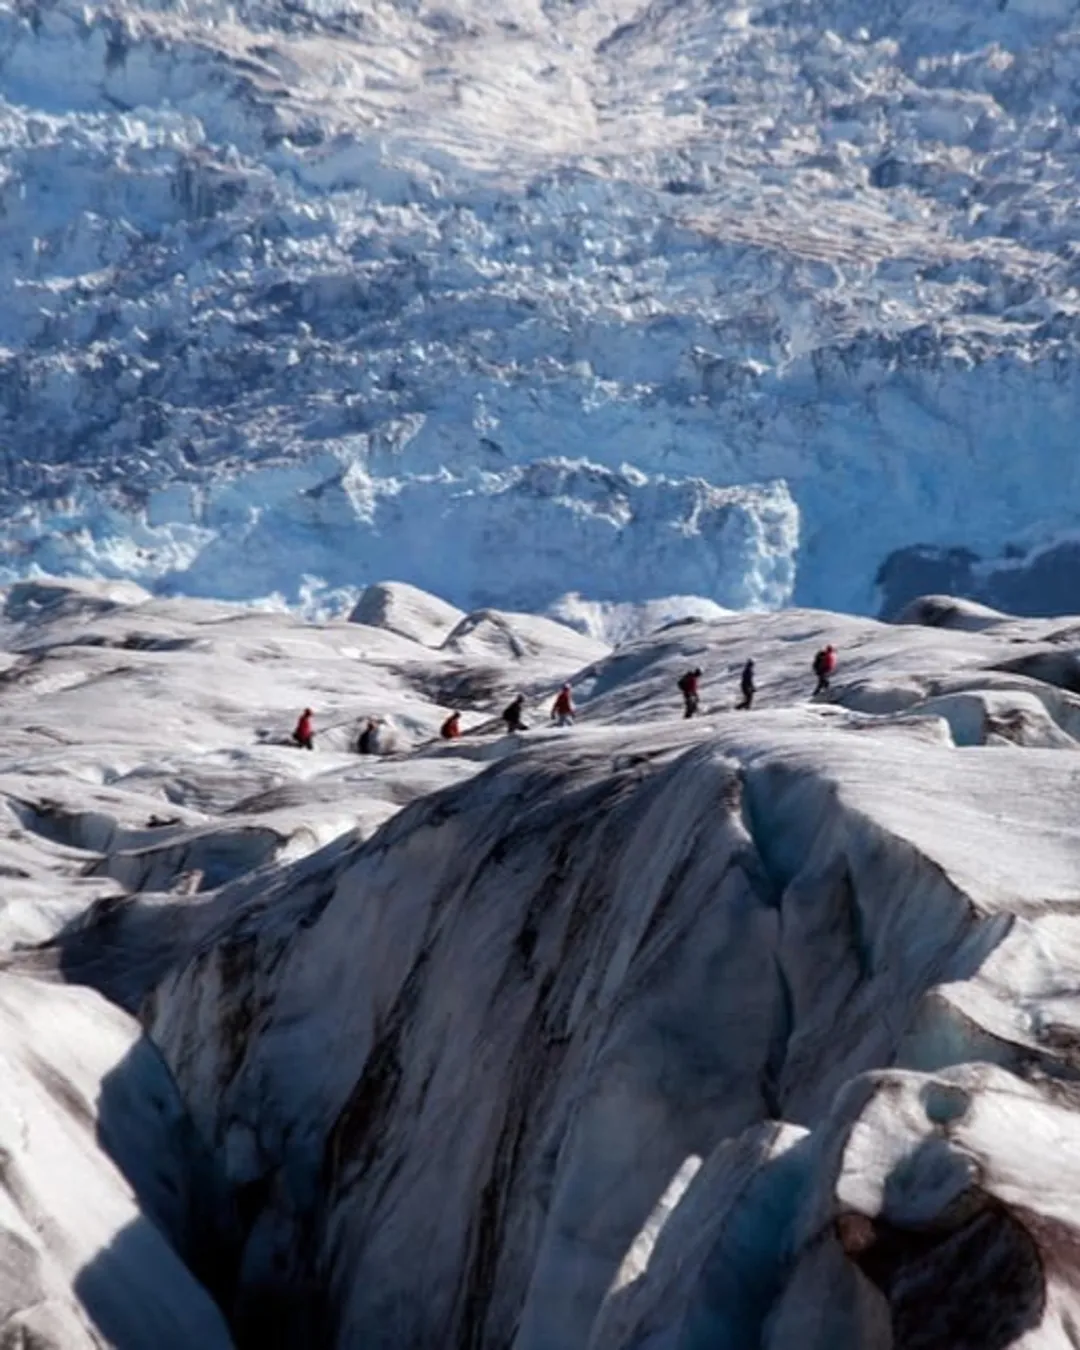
(745, 1029)
(272, 275)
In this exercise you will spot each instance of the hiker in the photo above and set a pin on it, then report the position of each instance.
(365, 743)
(451, 728)
(746, 683)
(563, 710)
(512, 715)
(304, 735)
(688, 687)
(824, 665)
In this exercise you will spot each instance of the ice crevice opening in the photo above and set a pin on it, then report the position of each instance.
(664, 1071)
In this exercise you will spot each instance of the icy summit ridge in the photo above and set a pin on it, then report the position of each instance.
(248, 249)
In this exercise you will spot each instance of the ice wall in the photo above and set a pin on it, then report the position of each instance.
(348, 289)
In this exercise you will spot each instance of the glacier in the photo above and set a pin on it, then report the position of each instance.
(626, 336)
(765, 302)
(747, 1029)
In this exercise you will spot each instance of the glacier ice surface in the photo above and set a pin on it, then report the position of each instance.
(750, 1028)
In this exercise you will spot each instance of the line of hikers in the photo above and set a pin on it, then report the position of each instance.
(304, 734)
(563, 713)
(823, 665)
(563, 710)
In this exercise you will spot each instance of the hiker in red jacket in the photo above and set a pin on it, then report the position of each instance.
(824, 665)
(304, 735)
(688, 687)
(562, 710)
(451, 728)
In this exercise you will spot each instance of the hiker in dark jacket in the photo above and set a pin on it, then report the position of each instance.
(512, 714)
(688, 687)
(746, 683)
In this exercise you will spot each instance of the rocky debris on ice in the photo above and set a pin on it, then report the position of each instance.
(644, 1032)
(924, 1209)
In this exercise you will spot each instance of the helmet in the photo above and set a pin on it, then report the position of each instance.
(566, 687)
(308, 712)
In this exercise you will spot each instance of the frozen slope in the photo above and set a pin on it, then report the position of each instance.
(146, 797)
(540, 996)
(626, 299)
(753, 1029)
(99, 1198)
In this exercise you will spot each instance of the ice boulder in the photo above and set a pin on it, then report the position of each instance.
(930, 1210)
(406, 610)
(616, 622)
(989, 717)
(53, 598)
(944, 1203)
(490, 635)
(946, 611)
(1058, 666)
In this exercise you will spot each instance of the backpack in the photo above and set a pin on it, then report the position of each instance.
(819, 663)
(686, 684)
